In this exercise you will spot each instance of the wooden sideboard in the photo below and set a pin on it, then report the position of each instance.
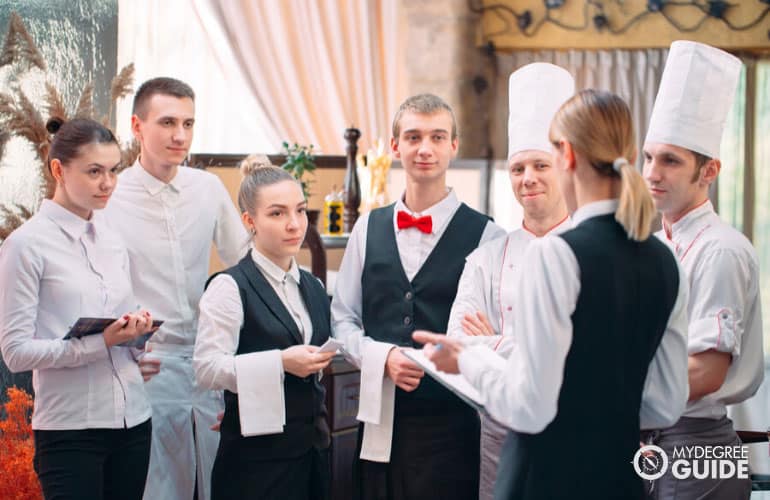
(341, 380)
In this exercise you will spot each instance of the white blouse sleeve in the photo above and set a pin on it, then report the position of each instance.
(523, 392)
(22, 270)
(471, 294)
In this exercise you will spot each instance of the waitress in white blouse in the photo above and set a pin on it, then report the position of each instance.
(600, 330)
(91, 416)
(261, 322)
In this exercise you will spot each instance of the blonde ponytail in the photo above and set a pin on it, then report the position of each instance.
(598, 124)
(636, 209)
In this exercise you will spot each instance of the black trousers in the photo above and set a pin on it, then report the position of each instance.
(235, 477)
(93, 464)
(434, 455)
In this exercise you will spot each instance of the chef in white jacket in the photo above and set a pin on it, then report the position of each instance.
(681, 161)
(483, 309)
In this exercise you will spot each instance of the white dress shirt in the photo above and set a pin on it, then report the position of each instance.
(522, 392)
(414, 247)
(168, 229)
(724, 310)
(489, 285)
(56, 268)
(221, 320)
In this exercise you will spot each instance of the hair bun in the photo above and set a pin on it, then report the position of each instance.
(252, 163)
(54, 124)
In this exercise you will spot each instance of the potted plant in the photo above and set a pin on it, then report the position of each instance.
(299, 160)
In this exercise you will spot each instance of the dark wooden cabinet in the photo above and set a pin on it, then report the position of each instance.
(341, 380)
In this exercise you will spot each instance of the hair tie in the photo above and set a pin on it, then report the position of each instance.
(619, 163)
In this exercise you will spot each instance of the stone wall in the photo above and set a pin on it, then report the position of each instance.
(441, 57)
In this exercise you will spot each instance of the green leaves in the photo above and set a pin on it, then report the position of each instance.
(299, 160)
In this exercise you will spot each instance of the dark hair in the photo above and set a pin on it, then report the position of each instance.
(70, 136)
(700, 161)
(163, 86)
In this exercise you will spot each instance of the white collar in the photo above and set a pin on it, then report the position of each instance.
(152, 184)
(594, 209)
(72, 224)
(274, 271)
(691, 222)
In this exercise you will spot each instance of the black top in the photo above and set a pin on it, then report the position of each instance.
(392, 306)
(627, 293)
(267, 325)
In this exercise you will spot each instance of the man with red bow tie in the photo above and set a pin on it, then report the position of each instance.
(399, 274)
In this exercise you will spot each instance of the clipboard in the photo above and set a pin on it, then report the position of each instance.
(456, 383)
(92, 326)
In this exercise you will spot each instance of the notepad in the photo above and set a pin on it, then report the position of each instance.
(454, 382)
(332, 345)
(93, 326)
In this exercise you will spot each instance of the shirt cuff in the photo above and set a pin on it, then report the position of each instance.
(714, 332)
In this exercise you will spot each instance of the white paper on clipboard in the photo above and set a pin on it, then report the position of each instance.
(454, 382)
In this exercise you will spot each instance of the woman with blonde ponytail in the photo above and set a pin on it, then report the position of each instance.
(601, 321)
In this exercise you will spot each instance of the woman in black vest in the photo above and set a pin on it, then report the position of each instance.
(260, 324)
(601, 326)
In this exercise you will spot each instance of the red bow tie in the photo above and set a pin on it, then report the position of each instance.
(404, 221)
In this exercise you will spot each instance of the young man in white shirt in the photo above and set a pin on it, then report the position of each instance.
(399, 273)
(681, 161)
(483, 309)
(169, 216)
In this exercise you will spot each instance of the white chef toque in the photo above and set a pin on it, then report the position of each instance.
(535, 92)
(694, 97)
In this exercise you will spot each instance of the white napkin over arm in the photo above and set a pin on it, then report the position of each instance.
(261, 405)
(377, 400)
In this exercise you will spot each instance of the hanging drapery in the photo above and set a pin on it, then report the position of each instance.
(314, 74)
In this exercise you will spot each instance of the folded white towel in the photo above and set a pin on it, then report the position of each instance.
(259, 377)
(376, 402)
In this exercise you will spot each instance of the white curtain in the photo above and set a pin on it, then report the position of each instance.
(181, 39)
(319, 66)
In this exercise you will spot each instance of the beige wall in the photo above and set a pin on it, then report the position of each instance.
(441, 58)
(651, 31)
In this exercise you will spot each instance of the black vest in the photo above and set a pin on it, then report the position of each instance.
(627, 293)
(393, 307)
(267, 324)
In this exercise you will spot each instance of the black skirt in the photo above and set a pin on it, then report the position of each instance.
(306, 477)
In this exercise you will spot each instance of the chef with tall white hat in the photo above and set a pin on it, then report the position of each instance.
(681, 161)
(483, 309)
